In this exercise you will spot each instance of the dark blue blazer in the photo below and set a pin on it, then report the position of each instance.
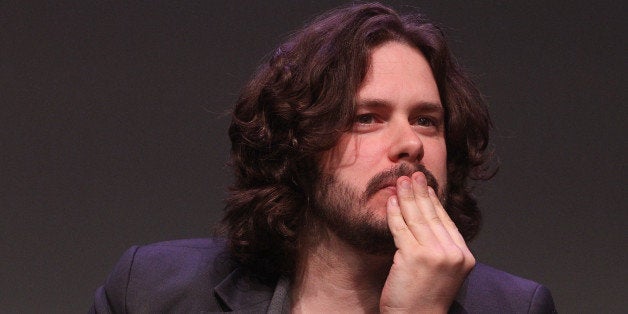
(195, 276)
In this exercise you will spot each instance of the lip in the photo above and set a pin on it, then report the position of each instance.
(391, 183)
(384, 192)
(387, 187)
(391, 187)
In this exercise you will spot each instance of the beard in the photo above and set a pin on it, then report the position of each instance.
(345, 212)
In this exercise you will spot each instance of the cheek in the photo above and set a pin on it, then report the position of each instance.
(438, 162)
(354, 159)
(360, 155)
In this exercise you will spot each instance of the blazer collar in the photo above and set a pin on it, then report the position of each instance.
(239, 293)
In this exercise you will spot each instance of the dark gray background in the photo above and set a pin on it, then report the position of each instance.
(114, 134)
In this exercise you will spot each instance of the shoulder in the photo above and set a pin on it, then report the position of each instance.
(190, 254)
(165, 274)
(180, 261)
(491, 290)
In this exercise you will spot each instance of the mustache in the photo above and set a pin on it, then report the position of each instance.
(389, 177)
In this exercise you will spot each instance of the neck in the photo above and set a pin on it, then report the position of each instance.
(333, 275)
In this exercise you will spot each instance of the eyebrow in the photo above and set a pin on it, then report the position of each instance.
(378, 103)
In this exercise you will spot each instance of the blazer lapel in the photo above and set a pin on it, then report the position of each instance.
(239, 293)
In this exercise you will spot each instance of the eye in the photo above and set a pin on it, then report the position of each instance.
(365, 119)
(425, 121)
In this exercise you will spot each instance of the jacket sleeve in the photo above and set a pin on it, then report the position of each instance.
(111, 297)
(542, 301)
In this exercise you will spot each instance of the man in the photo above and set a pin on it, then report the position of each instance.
(352, 148)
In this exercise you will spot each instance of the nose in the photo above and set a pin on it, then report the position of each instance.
(405, 144)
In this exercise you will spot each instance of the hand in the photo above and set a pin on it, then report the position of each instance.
(432, 258)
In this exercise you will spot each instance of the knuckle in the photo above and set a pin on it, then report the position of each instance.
(437, 258)
(470, 261)
(399, 229)
(405, 196)
(421, 192)
(435, 219)
(451, 225)
(457, 257)
(414, 224)
(450, 257)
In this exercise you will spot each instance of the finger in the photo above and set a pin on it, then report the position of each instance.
(450, 226)
(410, 206)
(428, 210)
(398, 228)
(421, 194)
(455, 235)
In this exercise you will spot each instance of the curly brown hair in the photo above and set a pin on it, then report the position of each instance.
(300, 102)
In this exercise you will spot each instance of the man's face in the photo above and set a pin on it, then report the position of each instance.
(399, 129)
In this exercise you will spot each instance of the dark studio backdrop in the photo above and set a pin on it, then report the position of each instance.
(114, 134)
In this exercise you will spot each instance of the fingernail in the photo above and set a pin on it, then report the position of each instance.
(430, 191)
(419, 178)
(393, 201)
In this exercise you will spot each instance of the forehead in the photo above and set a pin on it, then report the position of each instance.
(398, 74)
